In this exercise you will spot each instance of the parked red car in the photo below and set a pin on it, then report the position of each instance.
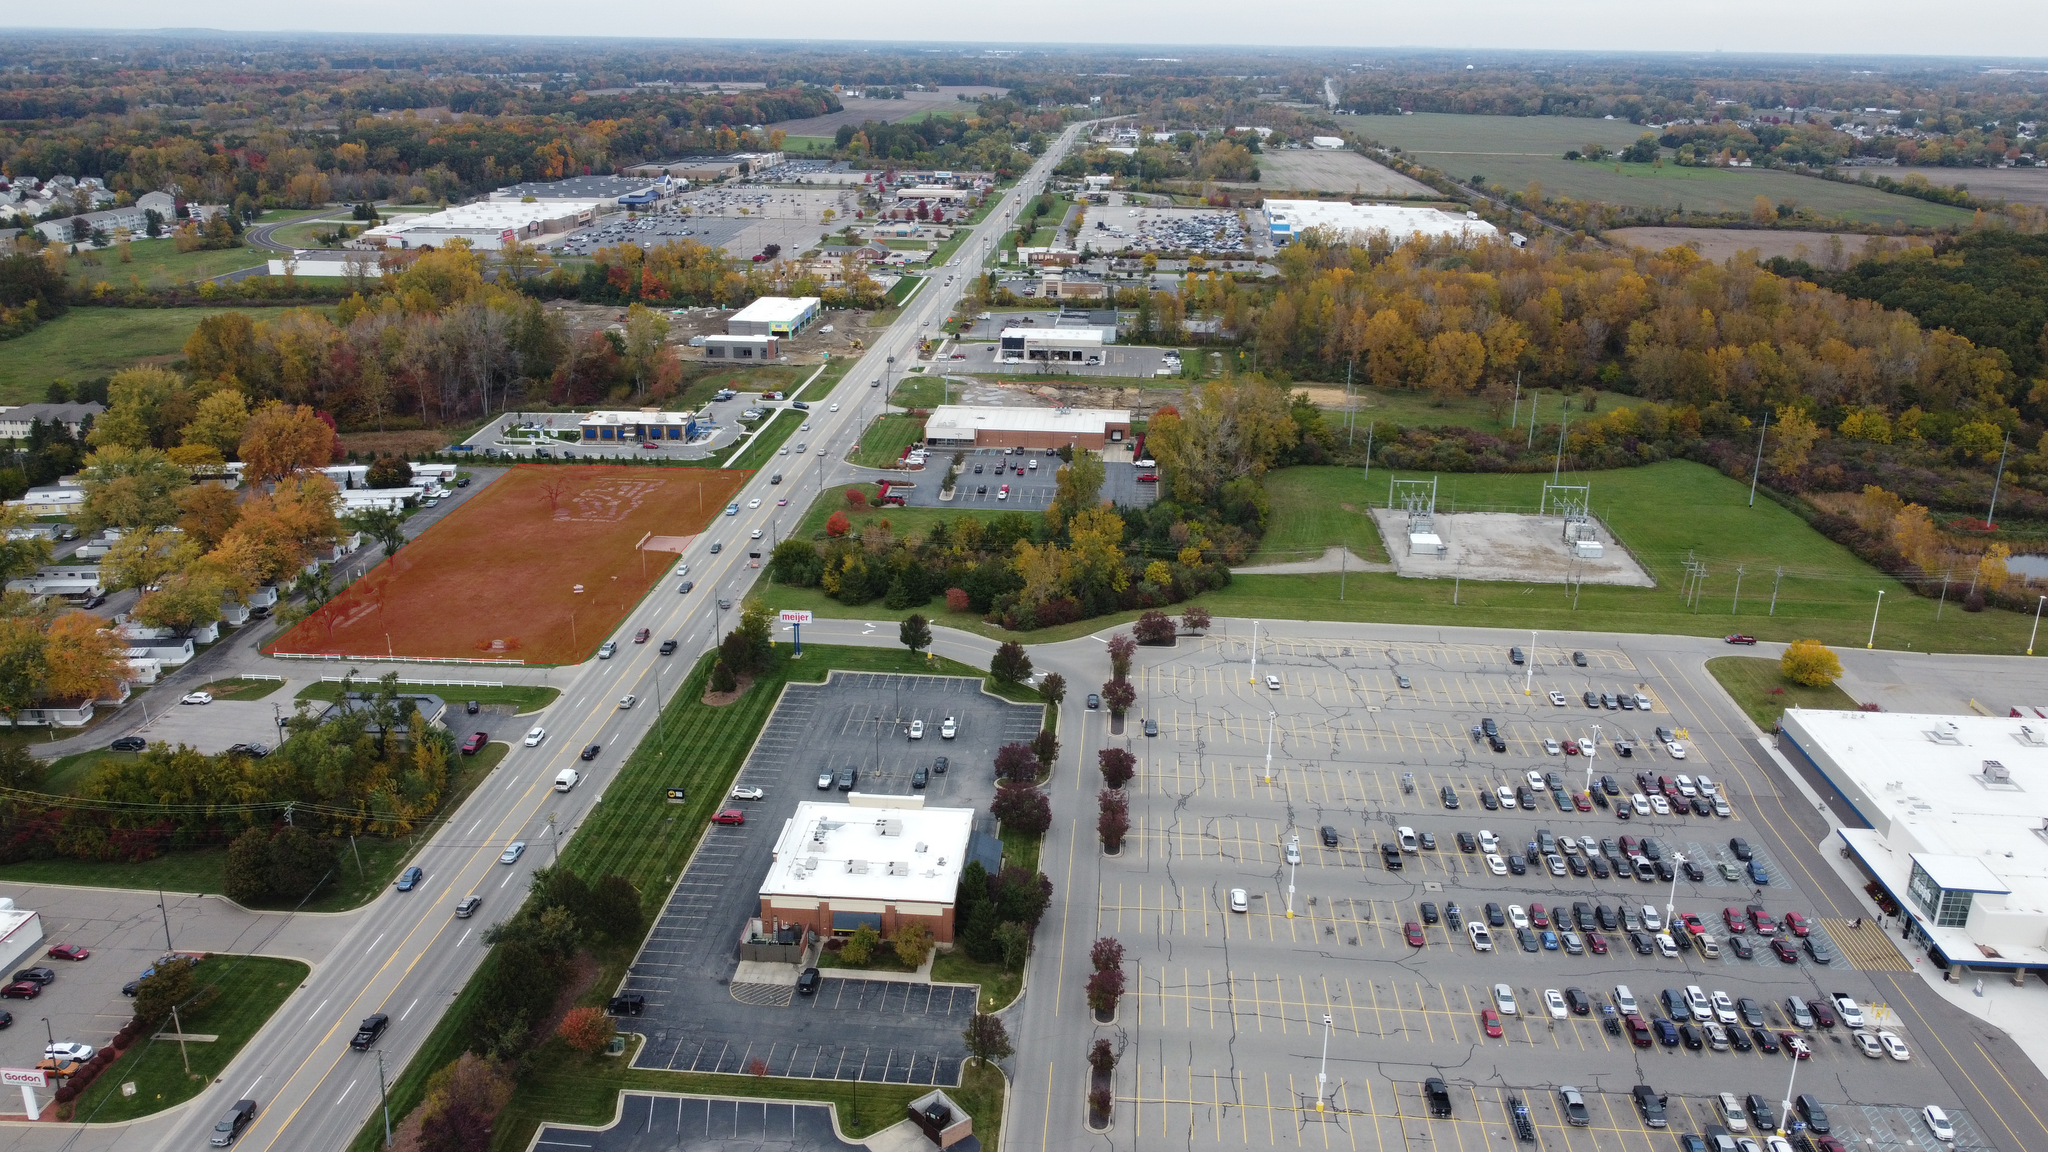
(475, 743)
(1734, 920)
(1414, 933)
(730, 816)
(1490, 1020)
(1148, 477)
(1797, 923)
(1638, 1030)
(69, 952)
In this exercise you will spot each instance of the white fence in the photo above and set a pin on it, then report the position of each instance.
(430, 683)
(366, 658)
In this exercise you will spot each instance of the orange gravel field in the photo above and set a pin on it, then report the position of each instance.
(497, 578)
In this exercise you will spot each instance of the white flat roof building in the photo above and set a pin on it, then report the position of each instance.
(873, 860)
(774, 316)
(488, 225)
(962, 426)
(1956, 809)
(1286, 219)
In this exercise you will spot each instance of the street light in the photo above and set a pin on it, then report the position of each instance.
(1294, 846)
(1872, 642)
(1529, 662)
(1322, 1073)
(1671, 900)
(2037, 624)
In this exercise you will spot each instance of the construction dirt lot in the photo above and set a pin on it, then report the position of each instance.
(1318, 170)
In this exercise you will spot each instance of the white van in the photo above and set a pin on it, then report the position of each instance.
(1624, 1000)
(566, 780)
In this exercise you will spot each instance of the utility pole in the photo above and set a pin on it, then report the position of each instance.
(1368, 452)
(167, 919)
(1343, 569)
(1758, 467)
(1533, 402)
(1516, 417)
(1943, 602)
(1700, 591)
(1350, 409)
(2037, 624)
(554, 840)
(1990, 517)
(1738, 591)
(1872, 642)
(1781, 575)
(1558, 465)
(384, 1096)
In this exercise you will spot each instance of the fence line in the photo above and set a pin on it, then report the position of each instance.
(367, 659)
(433, 683)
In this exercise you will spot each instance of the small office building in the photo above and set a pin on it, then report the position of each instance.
(961, 426)
(742, 349)
(783, 316)
(1946, 814)
(1051, 345)
(874, 861)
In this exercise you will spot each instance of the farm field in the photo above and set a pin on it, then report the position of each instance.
(561, 542)
(1662, 513)
(1719, 244)
(87, 343)
(1513, 150)
(1316, 170)
(159, 264)
(2012, 185)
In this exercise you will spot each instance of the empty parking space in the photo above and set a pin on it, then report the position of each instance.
(695, 1019)
(650, 1122)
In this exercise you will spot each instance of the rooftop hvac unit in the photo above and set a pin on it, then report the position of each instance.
(857, 867)
(1993, 770)
(899, 868)
(887, 827)
(1946, 733)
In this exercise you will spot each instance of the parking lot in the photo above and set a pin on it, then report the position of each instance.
(1226, 1008)
(1117, 360)
(1031, 492)
(852, 1028)
(1199, 230)
(648, 1122)
(742, 219)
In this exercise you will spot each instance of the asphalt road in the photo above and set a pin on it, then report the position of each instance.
(407, 955)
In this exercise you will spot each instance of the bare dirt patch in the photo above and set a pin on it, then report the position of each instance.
(1332, 170)
(1990, 185)
(1719, 244)
(405, 443)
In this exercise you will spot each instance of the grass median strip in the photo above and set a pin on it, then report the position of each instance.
(525, 698)
(247, 990)
(1760, 687)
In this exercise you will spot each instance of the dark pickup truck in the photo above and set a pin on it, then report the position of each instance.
(1438, 1094)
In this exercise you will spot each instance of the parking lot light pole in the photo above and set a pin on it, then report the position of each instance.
(1255, 658)
(1671, 899)
(1272, 721)
(2037, 624)
(1785, 1105)
(1322, 1073)
(1872, 642)
(1529, 678)
(1293, 842)
(1589, 758)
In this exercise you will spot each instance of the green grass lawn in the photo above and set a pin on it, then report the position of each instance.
(919, 390)
(1662, 513)
(241, 688)
(68, 772)
(1311, 512)
(87, 343)
(300, 235)
(769, 436)
(1411, 408)
(250, 990)
(525, 698)
(158, 263)
(819, 388)
(807, 143)
(1760, 687)
(902, 521)
(884, 441)
(999, 986)
(638, 834)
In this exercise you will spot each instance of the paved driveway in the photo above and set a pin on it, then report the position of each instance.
(651, 1123)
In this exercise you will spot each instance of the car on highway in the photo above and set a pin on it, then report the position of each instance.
(754, 503)
(369, 1030)
(1740, 638)
(196, 698)
(642, 636)
(535, 735)
(729, 816)
(627, 701)
(230, 1126)
(411, 878)
(512, 852)
(468, 906)
(590, 752)
(605, 650)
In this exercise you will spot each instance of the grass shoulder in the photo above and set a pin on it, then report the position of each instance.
(87, 343)
(1000, 987)
(526, 698)
(242, 688)
(1759, 686)
(884, 441)
(248, 990)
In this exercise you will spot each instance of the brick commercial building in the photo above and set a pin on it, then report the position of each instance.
(880, 861)
(959, 426)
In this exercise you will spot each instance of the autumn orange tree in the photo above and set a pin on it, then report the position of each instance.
(586, 1029)
(281, 439)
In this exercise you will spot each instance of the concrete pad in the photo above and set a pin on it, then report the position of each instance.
(213, 727)
(1509, 546)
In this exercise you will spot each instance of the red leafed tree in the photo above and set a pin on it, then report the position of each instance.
(1114, 821)
(1154, 627)
(956, 600)
(1107, 952)
(1118, 696)
(837, 524)
(856, 497)
(1105, 988)
(586, 1029)
(1118, 766)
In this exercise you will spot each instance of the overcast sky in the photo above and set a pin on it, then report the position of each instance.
(1982, 28)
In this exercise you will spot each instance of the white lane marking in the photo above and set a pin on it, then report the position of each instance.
(465, 937)
(253, 1084)
(374, 943)
(479, 823)
(506, 880)
(409, 1008)
(310, 1016)
(345, 1091)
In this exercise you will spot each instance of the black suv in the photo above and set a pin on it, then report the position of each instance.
(367, 1033)
(626, 1004)
(231, 1125)
(668, 647)
(1450, 796)
(848, 777)
(807, 983)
